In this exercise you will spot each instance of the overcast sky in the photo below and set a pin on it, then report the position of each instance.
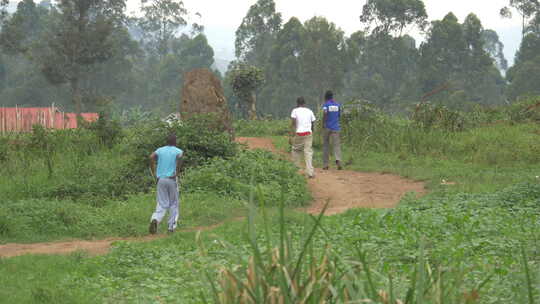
(222, 18)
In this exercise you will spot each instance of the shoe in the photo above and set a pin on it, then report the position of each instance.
(311, 176)
(338, 163)
(325, 168)
(153, 227)
(170, 231)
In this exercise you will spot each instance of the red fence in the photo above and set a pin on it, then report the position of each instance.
(22, 119)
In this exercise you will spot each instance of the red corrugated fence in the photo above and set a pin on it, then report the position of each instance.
(22, 119)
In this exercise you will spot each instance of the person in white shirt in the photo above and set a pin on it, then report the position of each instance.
(302, 120)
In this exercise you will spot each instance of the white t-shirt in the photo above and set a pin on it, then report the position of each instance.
(304, 117)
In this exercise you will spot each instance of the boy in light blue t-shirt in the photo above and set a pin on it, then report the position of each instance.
(168, 164)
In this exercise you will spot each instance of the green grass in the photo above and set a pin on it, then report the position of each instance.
(30, 221)
(478, 237)
(467, 239)
(41, 279)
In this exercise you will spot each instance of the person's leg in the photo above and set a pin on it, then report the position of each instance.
(162, 204)
(308, 155)
(297, 149)
(174, 205)
(326, 143)
(336, 143)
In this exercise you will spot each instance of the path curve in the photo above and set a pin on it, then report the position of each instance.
(343, 190)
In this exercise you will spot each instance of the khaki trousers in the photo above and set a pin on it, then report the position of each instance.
(302, 144)
(331, 137)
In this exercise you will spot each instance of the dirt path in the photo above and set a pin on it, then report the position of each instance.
(92, 247)
(343, 190)
(346, 189)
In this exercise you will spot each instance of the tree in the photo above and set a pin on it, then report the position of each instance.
(386, 58)
(524, 76)
(525, 8)
(162, 19)
(80, 37)
(454, 56)
(324, 57)
(495, 48)
(284, 69)
(393, 16)
(187, 53)
(23, 28)
(3, 10)
(245, 81)
(257, 32)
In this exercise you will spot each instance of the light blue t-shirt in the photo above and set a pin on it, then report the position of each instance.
(333, 112)
(166, 161)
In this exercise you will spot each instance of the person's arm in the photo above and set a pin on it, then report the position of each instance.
(324, 117)
(153, 158)
(179, 163)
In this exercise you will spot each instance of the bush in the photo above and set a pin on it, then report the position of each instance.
(240, 176)
(100, 162)
(525, 110)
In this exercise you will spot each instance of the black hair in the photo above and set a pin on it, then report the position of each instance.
(300, 101)
(329, 95)
(171, 139)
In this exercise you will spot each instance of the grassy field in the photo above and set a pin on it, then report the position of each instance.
(475, 241)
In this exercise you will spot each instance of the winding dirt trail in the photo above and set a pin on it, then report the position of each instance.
(346, 189)
(343, 190)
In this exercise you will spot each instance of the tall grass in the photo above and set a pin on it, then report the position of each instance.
(287, 269)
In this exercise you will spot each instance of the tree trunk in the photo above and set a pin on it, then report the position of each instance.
(76, 95)
(252, 111)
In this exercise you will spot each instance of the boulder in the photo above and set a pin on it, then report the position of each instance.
(202, 94)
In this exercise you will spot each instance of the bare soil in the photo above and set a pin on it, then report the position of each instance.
(341, 189)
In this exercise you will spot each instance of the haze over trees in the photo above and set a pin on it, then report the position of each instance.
(92, 55)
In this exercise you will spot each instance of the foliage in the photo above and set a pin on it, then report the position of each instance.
(79, 37)
(245, 81)
(256, 33)
(525, 110)
(394, 16)
(103, 161)
(237, 177)
(428, 116)
(454, 56)
(107, 130)
(162, 18)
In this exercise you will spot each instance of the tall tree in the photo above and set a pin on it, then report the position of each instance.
(3, 10)
(524, 76)
(257, 33)
(324, 57)
(284, 69)
(525, 8)
(454, 56)
(495, 48)
(393, 16)
(23, 28)
(388, 56)
(160, 22)
(80, 37)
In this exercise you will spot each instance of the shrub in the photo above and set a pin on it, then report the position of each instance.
(524, 110)
(238, 177)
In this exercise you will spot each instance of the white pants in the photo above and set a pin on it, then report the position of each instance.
(302, 145)
(167, 199)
